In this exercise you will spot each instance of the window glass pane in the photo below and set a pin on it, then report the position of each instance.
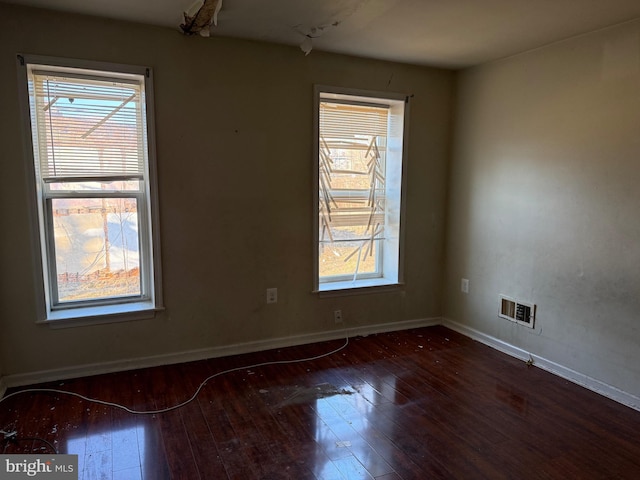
(343, 257)
(97, 250)
(352, 196)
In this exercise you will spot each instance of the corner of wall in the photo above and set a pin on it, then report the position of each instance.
(3, 387)
(562, 371)
(3, 382)
(537, 166)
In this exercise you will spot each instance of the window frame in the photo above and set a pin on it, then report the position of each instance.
(365, 283)
(111, 309)
(48, 218)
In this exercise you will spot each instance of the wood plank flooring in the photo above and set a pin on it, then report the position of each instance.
(418, 404)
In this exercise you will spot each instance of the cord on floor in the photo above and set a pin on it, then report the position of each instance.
(179, 405)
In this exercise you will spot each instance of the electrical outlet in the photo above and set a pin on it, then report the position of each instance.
(337, 316)
(464, 285)
(272, 295)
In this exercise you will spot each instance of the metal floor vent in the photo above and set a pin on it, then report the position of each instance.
(517, 311)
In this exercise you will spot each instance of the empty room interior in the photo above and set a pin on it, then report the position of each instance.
(398, 239)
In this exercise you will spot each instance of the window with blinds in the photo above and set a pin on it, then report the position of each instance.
(358, 167)
(95, 189)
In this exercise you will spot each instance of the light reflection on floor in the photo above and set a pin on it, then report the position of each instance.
(121, 452)
(344, 431)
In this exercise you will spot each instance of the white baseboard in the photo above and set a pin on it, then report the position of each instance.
(573, 376)
(201, 354)
(53, 375)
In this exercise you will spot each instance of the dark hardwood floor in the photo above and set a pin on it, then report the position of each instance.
(419, 404)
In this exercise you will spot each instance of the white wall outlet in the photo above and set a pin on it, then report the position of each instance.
(464, 285)
(272, 295)
(337, 316)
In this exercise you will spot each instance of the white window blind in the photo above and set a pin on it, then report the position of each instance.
(349, 122)
(88, 128)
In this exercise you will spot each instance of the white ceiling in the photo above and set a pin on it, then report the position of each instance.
(448, 33)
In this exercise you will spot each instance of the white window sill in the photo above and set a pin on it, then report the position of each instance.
(123, 312)
(358, 287)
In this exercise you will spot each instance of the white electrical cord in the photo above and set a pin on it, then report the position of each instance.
(186, 402)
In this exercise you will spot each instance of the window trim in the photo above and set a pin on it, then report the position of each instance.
(362, 285)
(87, 314)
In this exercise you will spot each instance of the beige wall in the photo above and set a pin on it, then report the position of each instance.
(234, 141)
(544, 203)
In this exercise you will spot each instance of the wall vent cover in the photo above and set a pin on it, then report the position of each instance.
(517, 311)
